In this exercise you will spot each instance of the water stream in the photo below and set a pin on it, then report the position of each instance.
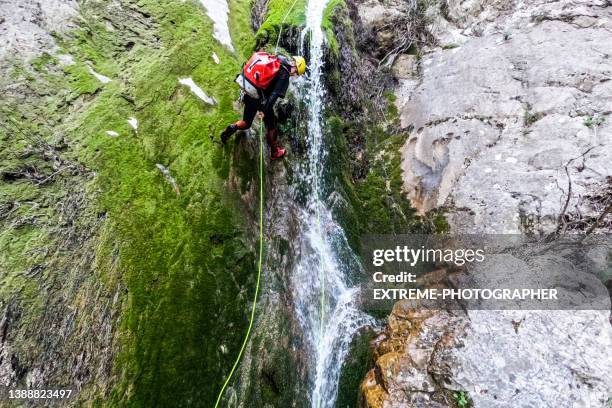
(325, 304)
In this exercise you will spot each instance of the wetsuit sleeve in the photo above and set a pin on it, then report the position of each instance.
(280, 89)
(282, 84)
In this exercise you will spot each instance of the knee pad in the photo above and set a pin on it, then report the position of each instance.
(242, 125)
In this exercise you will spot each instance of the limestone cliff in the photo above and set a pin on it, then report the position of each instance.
(507, 105)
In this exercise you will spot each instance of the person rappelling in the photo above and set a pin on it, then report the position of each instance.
(264, 79)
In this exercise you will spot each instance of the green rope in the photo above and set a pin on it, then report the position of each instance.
(322, 303)
(322, 276)
(248, 333)
(281, 25)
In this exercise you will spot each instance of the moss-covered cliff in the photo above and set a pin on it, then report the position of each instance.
(134, 288)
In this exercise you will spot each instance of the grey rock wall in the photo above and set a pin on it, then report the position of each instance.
(26, 26)
(516, 92)
(508, 105)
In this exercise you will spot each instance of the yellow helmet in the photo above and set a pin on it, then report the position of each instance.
(300, 64)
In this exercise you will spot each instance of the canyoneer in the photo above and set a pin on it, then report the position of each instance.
(263, 80)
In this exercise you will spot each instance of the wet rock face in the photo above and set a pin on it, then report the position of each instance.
(413, 366)
(272, 370)
(513, 96)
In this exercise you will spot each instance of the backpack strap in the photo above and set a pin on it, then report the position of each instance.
(285, 63)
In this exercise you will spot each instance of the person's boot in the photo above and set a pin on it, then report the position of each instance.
(228, 132)
(277, 152)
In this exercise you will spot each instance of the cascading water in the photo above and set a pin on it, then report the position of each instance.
(325, 305)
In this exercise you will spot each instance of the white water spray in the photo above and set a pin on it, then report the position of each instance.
(325, 305)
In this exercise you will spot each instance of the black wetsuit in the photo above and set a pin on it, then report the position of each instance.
(277, 89)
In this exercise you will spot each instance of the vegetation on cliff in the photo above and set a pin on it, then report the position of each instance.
(165, 268)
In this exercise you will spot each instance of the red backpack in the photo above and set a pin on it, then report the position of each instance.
(258, 72)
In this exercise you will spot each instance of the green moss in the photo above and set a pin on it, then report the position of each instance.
(40, 63)
(274, 368)
(328, 25)
(354, 369)
(381, 191)
(184, 277)
(439, 222)
(532, 117)
(450, 46)
(82, 82)
(290, 14)
(240, 26)
(186, 261)
(376, 204)
(392, 113)
(281, 14)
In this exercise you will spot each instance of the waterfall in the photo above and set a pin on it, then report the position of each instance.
(325, 304)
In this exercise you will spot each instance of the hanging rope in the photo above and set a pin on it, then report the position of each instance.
(252, 318)
(261, 163)
(280, 31)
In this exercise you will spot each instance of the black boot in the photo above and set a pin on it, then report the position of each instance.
(229, 131)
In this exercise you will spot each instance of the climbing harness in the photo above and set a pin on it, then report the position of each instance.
(252, 318)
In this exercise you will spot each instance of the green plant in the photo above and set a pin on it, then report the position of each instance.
(450, 46)
(461, 398)
(181, 262)
(532, 117)
(593, 121)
